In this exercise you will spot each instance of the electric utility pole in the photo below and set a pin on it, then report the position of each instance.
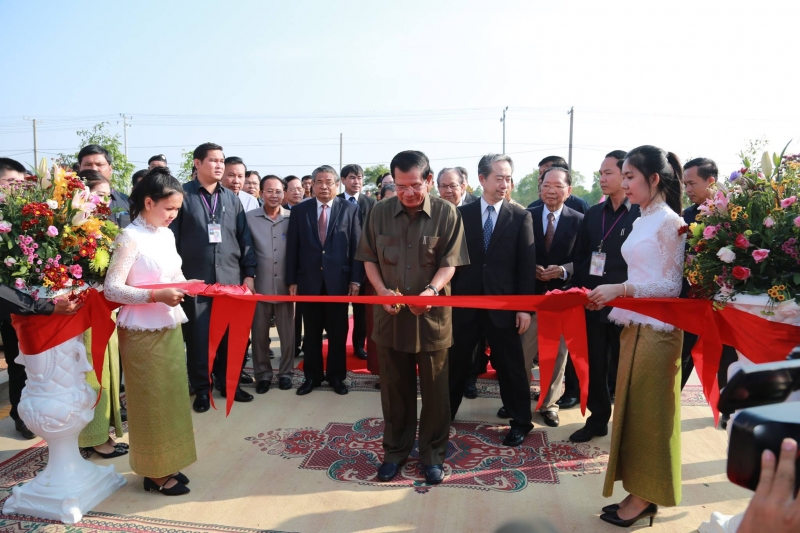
(503, 120)
(571, 114)
(125, 131)
(35, 148)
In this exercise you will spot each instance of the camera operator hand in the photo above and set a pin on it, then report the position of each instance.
(775, 506)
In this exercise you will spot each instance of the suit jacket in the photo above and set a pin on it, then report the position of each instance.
(120, 205)
(576, 203)
(269, 245)
(562, 250)
(507, 266)
(227, 262)
(365, 205)
(469, 198)
(308, 262)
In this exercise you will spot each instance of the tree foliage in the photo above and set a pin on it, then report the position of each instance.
(99, 134)
(187, 163)
(371, 174)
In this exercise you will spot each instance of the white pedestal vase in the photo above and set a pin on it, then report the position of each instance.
(785, 313)
(57, 404)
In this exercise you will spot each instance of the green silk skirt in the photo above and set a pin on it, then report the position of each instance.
(107, 410)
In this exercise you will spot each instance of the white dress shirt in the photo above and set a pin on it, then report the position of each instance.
(557, 215)
(485, 212)
(348, 196)
(249, 201)
(319, 209)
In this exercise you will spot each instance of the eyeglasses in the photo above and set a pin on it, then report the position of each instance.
(452, 187)
(403, 188)
(549, 187)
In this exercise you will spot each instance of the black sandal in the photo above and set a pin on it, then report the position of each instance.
(116, 453)
(177, 490)
(181, 478)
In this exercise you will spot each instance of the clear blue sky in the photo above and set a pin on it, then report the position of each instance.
(277, 82)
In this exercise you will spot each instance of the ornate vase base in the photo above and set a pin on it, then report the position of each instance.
(40, 497)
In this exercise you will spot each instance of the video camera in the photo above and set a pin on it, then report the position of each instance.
(759, 392)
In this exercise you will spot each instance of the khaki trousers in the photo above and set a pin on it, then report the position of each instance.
(530, 349)
(399, 403)
(284, 320)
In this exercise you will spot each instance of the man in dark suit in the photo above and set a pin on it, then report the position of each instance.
(573, 202)
(353, 179)
(321, 246)
(213, 239)
(555, 230)
(502, 258)
(95, 157)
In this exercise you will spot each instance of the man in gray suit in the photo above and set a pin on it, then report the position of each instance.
(213, 240)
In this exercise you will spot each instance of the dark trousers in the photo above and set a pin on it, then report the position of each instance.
(603, 339)
(16, 371)
(195, 334)
(572, 388)
(359, 336)
(480, 361)
(507, 360)
(729, 356)
(298, 327)
(399, 404)
(333, 319)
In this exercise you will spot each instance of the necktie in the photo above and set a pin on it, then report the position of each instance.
(551, 229)
(487, 228)
(352, 199)
(322, 225)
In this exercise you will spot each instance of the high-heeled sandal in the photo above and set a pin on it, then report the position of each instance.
(613, 518)
(176, 490)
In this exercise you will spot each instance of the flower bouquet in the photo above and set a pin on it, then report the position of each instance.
(747, 236)
(55, 236)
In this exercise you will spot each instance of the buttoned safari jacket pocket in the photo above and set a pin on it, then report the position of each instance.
(427, 251)
(388, 249)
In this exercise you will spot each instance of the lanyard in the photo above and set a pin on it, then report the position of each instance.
(606, 234)
(211, 210)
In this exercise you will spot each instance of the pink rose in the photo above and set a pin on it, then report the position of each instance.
(721, 201)
(10, 262)
(5, 226)
(786, 202)
(741, 273)
(52, 231)
(76, 271)
(760, 254)
(710, 232)
(742, 242)
(19, 283)
(797, 222)
(769, 222)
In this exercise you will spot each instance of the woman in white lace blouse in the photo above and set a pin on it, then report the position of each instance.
(150, 338)
(645, 439)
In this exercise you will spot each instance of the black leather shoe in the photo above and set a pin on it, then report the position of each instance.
(271, 354)
(613, 518)
(201, 403)
(263, 386)
(550, 419)
(613, 508)
(514, 437)
(502, 413)
(123, 414)
(360, 353)
(723, 421)
(176, 490)
(245, 378)
(585, 434)
(181, 478)
(339, 387)
(434, 474)
(387, 471)
(240, 396)
(377, 385)
(307, 386)
(471, 392)
(23, 430)
(568, 402)
(284, 383)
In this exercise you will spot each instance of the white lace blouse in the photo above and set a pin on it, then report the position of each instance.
(655, 253)
(143, 254)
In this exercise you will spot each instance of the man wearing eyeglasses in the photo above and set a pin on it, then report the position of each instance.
(412, 244)
(450, 185)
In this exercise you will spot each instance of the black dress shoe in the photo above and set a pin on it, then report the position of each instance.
(307, 386)
(377, 385)
(503, 413)
(585, 434)
(201, 403)
(284, 383)
(613, 508)
(271, 354)
(471, 392)
(23, 430)
(176, 490)
(360, 353)
(263, 386)
(387, 471)
(339, 387)
(723, 421)
(550, 418)
(434, 474)
(613, 518)
(514, 437)
(567, 402)
(245, 378)
(240, 396)
(123, 414)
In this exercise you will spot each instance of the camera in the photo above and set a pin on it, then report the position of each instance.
(758, 394)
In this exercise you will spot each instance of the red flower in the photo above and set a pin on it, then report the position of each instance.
(683, 229)
(742, 242)
(741, 273)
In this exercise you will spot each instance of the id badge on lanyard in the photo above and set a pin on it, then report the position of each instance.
(214, 228)
(598, 264)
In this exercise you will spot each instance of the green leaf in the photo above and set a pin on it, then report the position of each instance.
(796, 279)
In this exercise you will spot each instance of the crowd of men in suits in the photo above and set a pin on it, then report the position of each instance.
(300, 236)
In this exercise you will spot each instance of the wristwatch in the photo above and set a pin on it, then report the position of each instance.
(431, 287)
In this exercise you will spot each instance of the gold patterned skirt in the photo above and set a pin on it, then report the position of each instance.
(107, 410)
(157, 392)
(646, 434)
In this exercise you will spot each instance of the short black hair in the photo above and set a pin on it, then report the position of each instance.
(289, 179)
(411, 159)
(352, 169)
(10, 165)
(562, 169)
(94, 149)
(92, 177)
(233, 160)
(157, 185)
(380, 178)
(556, 160)
(706, 168)
(619, 155)
(306, 177)
(270, 177)
(138, 175)
(248, 173)
(159, 157)
(202, 151)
